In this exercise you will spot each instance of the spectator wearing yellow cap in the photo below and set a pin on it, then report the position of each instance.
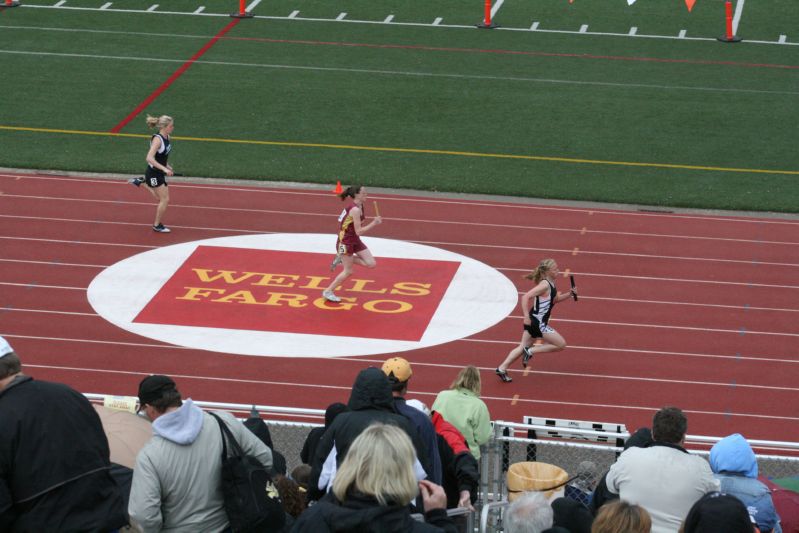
(399, 372)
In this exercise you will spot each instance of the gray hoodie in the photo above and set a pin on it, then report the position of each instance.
(176, 481)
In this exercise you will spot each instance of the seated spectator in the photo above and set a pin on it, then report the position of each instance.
(258, 426)
(622, 517)
(601, 495)
(292, 499)
(373, 489)
(460, 469)
(302, 476)
(177, 481)
(309, 447)
(370, 402)
(663, 478)
(734, 464)
(462, 407)
(571, 515)
(529, 513)
(716, 512)
(398, 371)
(55, 471)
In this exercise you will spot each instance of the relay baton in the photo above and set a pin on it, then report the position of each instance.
(574, 294)
(377, 211)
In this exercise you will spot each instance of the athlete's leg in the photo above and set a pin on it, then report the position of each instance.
(553, 342)
(162, 194)
(347, 262)
(365, 258)
(527, 340)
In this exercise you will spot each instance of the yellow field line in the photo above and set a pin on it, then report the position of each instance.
(413, 151)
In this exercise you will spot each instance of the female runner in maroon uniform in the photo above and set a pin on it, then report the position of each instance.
(350, 250)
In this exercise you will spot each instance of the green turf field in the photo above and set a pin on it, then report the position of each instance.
(602, 101)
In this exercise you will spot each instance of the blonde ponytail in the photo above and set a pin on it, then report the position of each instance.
(541, 270)
(158, 122)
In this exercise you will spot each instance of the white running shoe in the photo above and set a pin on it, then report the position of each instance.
(160, 228)
(330, 297)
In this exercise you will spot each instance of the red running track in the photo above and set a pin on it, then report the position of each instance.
(698, 311)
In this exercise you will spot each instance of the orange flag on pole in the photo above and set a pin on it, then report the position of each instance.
(690, 4)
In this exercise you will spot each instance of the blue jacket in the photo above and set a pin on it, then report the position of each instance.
(734, 464)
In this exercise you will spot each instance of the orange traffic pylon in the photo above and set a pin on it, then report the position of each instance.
(338, 189)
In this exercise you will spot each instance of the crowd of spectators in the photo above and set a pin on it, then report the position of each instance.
(382, 462)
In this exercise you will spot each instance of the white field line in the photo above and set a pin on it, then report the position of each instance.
(293, 14)
(499, 203)
(495, 8)
(681, 35)
(583, 28)
(60, 3)
(341, 16)
(199, 10)
(252, 5)
(416, 24)
(782, 39)
(388, 19)
(417, 74)
(152, 8)
(633, 31)
(49, 263)
(582, 231)
(105, 6)
(534, 26)
(438, 21)
(736, 19)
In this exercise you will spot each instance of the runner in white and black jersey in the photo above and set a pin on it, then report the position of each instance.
(537, 304)
(157, 167)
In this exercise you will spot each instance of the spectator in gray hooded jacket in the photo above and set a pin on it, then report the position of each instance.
(177, 484)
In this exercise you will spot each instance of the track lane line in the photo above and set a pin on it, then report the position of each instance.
(349, 388)
(443, 201)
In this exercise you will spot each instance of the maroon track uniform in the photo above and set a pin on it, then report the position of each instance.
(348, 241)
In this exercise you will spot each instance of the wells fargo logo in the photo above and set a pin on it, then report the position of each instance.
(281, 291)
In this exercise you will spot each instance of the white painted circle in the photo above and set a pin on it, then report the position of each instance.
(478, 297)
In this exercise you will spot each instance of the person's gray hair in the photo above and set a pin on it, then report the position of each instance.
(529, 513)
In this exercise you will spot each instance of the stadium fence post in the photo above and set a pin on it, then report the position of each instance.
(729, 37)
(242, 12)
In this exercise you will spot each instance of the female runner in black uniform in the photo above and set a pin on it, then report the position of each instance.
(536, 317)
(157, 167)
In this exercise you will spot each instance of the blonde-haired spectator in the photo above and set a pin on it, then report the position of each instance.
(373, 489)
(462, 407)
(622, 517)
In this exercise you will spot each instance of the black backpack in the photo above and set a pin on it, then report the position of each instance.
(252, 502)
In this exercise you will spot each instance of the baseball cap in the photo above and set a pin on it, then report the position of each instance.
(397, 369)
(153, 387)
(5, 348)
